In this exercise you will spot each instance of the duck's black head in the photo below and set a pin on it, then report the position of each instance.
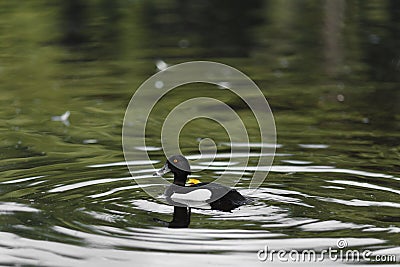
(179, 166)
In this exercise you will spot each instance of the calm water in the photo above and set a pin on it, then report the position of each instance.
(329, 69)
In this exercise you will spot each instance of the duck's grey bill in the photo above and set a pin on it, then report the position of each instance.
(162, 171)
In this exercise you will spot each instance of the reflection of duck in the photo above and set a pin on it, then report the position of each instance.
(202, 195)
(181, 218)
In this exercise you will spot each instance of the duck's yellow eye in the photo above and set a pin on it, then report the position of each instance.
(175, 160)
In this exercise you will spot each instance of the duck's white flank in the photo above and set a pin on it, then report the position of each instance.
(195, 195)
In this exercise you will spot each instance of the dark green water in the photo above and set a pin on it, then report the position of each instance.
(329, 69)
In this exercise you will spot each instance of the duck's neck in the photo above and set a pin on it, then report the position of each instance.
(180, 179)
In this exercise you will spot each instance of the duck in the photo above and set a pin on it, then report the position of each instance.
(186, 192)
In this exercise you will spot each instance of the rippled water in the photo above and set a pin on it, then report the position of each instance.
(67, 198)
(93, 215)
